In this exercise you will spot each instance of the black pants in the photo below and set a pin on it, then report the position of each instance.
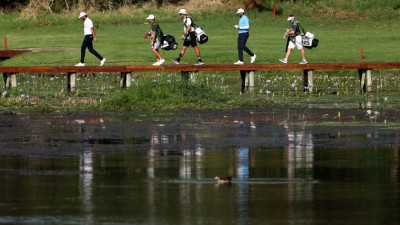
(88, 43)
(242, 39)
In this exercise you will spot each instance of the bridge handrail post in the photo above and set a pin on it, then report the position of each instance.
(71, 82)
(308, 80)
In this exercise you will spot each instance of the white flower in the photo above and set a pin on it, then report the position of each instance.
(4, 93)
(376, 113)
(293, 85)
(369, 112)
(386, 98)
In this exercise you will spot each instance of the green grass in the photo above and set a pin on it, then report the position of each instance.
(121, 42)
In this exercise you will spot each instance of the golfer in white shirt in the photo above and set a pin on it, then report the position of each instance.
(90, 35)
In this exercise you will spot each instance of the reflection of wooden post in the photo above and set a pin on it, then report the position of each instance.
(71, 82)
(369, 80)
(361, 74)
(308, 80)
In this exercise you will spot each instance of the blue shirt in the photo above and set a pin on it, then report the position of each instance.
(244, 21)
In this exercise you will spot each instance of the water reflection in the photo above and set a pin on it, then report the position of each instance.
(86, 183)
(243, 172)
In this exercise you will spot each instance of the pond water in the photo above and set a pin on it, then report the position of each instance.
(82, 168)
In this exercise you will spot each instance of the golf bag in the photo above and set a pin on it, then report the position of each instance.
(169, 43)
(201, 36)
(309, 41)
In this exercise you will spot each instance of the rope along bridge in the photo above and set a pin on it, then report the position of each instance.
(190, 71)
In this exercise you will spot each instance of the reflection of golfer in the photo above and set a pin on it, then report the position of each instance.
(156, 39)
(244, 25)
(189, 38)
(295, 40)
(90, 35)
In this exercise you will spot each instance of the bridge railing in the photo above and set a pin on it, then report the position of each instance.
(246, 71)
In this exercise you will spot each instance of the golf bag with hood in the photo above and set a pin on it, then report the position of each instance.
(169, 43)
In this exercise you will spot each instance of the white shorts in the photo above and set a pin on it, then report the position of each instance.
(298, 43)
(156, 45)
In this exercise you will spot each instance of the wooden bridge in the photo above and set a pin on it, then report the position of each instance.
(246, 71)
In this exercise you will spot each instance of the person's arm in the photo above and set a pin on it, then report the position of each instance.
(153, 37)
(94, 34)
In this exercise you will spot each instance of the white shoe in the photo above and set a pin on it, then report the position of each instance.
(102, 61)
(156, 63)
(238, 63)
(303, 62)
(161, 62)
(253, 58)
(283, 60)
(80, 64)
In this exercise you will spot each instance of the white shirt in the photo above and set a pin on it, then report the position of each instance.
(87, 25)
(188, 23)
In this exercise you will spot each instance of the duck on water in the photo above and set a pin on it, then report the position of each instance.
(223, 180)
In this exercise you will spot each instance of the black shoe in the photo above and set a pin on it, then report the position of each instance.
(176, 61)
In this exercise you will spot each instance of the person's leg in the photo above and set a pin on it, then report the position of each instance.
(303, 53)
(247, 50)
(157, 53)
(289, 51)
(94, 52)
(85, 43)
(240, 44)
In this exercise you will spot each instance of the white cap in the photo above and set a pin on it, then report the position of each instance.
(183, 11)
(82, 14)
(290, 18)
(150, 17)
(240, 11)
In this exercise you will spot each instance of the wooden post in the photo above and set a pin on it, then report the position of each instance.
(185, 75)
(369, 80)
(7, 80)
(193, 77)
(71, 82)
(361, 74)
(13, 80)
(243, 78)
(126, 80)
(250, 75)
(10, 80)
(308, 80)
(247, 80)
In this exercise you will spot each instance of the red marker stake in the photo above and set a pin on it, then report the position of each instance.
(5, 43)
(274, 12)
(361, 53)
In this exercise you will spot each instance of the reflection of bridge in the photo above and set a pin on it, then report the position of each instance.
(364, 70)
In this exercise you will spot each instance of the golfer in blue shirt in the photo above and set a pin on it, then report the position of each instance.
(244, 25)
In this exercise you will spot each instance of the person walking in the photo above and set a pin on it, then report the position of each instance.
(156, 35)
(243, 27)
(90, 35)
(189, 38)
(295, 40)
